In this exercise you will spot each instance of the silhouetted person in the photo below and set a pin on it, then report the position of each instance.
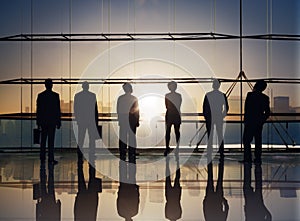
(215, 108)
(255, 208)
(48, 118)
(86, 115)
(128, 199)
(173, 210)
(215, 206)
(257, 111)
(86, 202)
(173, 102)
(128, 117)
(47, 207)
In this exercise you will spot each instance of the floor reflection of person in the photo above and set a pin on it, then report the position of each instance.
(257, 111)
(86, 116)
(47, 207)
(254, 208)
(128, 199)
(87, 198)
(128, 118)
(215, 206)
(215, 108)
(173, 102)
(173, 210)
(48, 118)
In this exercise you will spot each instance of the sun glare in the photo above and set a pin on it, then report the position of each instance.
(151, 106)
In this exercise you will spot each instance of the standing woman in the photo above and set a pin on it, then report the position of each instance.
(173, 102)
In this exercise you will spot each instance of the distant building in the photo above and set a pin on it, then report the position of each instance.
(27, 109)
(234, 103)
(282, 104)
(66, 107)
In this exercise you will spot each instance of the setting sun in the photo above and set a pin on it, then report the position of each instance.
(151, 106)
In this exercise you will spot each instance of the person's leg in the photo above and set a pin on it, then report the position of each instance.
(51, 137)
(132, 144)
(177, 133)
(44, 135)
(258, 144)
(167, 137)
(219, 129)
(210, 134)
(247, 138)
(168, 133)
(92, 141)
(122, 142)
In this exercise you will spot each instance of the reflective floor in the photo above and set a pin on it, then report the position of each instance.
(155, 188)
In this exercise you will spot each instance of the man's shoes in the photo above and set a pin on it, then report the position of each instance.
(167, 151)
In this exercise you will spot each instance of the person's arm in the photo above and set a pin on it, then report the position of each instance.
(167, 102)
(267, 109)
(205, 107)
(226, 106)
(58, 125)
(38, 112)
(137, 112)
(246, 107)
(96, 111)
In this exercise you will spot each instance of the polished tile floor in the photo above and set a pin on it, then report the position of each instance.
(179, 187)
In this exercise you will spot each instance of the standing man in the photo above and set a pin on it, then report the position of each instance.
(128, 117)
(173, 102)
(86, 115)
(215, 108)
(257, 111)
(48, 118)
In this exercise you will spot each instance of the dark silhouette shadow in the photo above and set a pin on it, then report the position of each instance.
(128, 117)
(48, 118)
(215, 109)
(47, 207)
(87, 198)
(255, 208)
(173, 210)
(257, 111)
(86, 115)
(173, 102)
(128, 193)
(215, 206)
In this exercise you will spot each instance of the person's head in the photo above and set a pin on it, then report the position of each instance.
(260, 85)
(216, 84)
(127, 87)
(172, 85)
(85, 86)
(48, 84)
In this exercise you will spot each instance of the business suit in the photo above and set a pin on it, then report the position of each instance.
(48, 118)
(128, 118)
(257, 111)
(86, 115)
(215, 109)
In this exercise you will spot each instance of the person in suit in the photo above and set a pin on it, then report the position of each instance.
(48, 119)
(128, 199)
(173, 102)
(173, 210)
(257, 111)
(87, 198)
(47, 207)
(86, 116)
(128, 118)
(215, 109)
(254, 208)
(215, 206)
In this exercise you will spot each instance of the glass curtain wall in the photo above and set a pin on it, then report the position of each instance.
(114, 62)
